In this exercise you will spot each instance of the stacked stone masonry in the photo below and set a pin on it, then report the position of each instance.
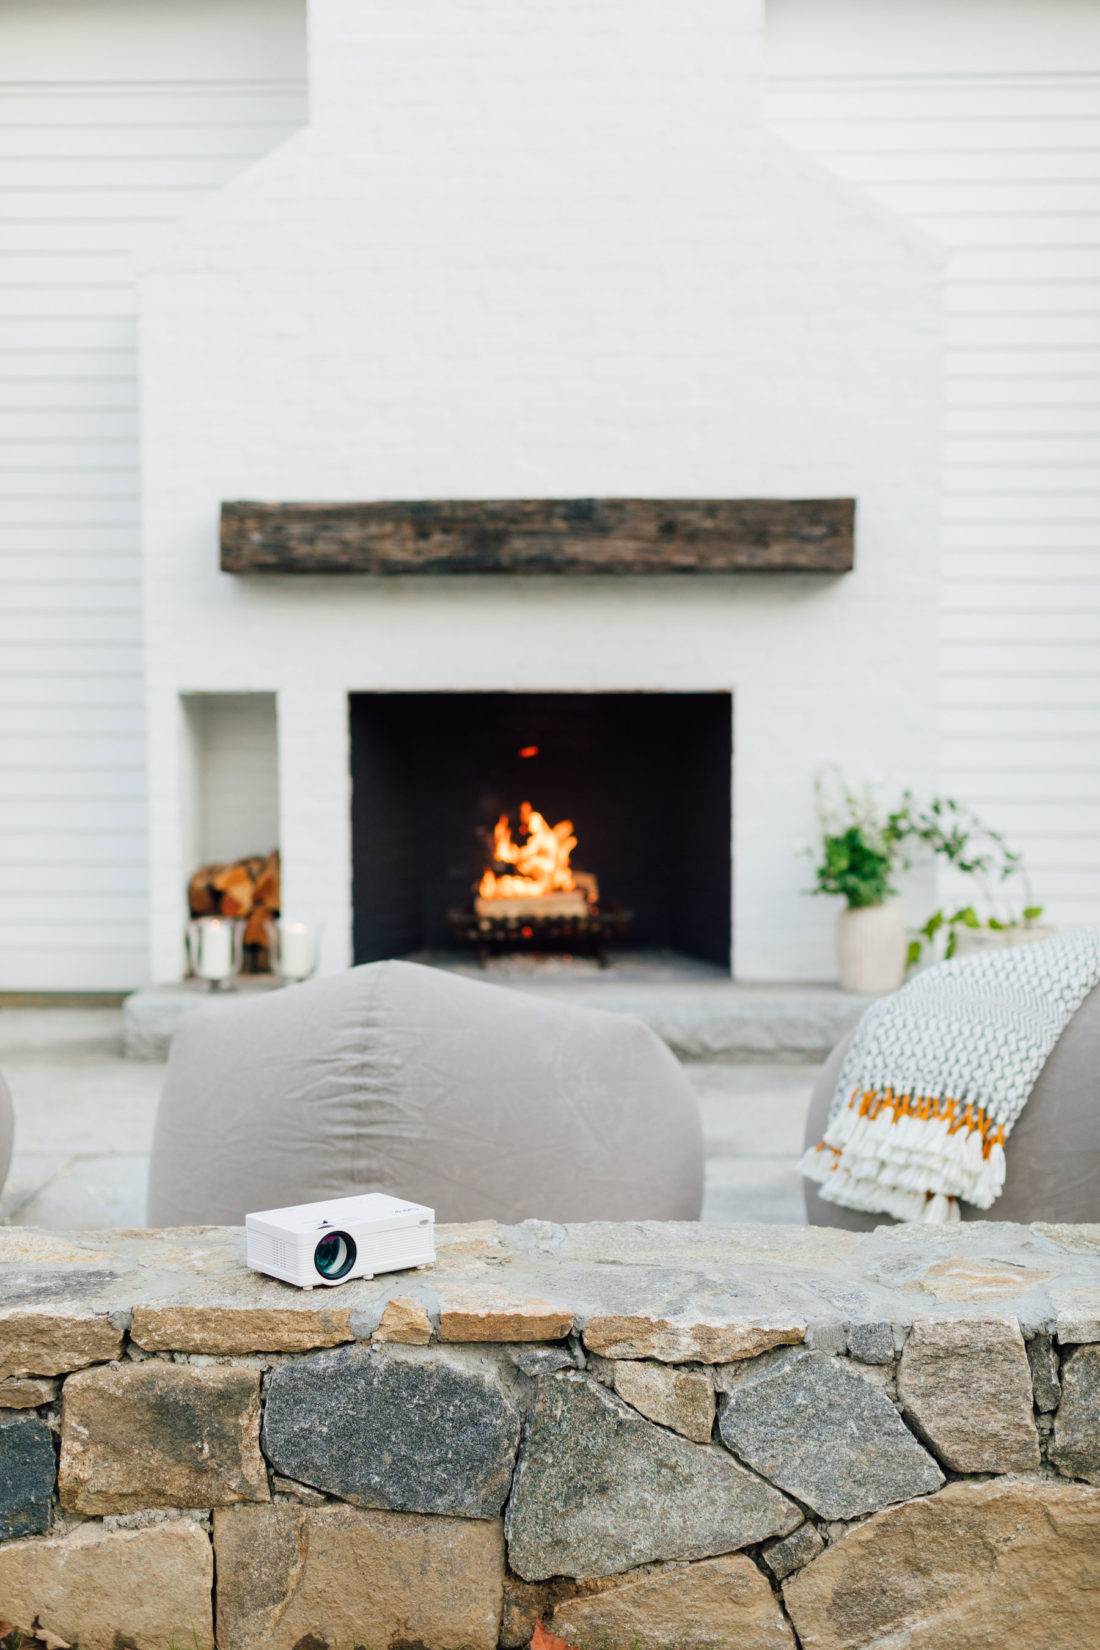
(643, 1436)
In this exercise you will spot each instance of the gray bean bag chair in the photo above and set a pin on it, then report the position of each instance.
(478, 1101)
(1052, 1155)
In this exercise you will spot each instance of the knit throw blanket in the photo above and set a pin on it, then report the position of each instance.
(938, 1073)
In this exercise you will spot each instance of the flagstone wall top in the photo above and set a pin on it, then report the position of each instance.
(667, 1291)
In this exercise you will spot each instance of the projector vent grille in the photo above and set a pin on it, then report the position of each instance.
(380, 1247)
(265, 1250)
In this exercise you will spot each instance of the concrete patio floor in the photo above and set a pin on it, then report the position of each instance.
(84, 1124)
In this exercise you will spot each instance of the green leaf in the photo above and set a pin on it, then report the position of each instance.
(1032, 913)
(996, 925)
(912, 956)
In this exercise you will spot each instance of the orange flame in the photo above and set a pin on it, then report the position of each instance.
(541, 862)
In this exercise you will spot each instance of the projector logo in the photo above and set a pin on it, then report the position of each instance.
(339, 1239)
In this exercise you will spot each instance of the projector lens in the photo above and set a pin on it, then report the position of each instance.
(334, 1256)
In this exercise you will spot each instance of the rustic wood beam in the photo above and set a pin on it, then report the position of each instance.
(531, 535)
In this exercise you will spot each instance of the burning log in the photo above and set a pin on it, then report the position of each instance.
(541, 861)
(572, 904)
(543, 883)
(530, 898)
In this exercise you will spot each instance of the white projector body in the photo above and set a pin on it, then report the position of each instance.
(339, 1239)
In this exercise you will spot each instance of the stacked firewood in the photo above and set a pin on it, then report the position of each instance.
(247, 888)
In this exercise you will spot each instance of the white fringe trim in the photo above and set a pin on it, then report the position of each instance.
(912, 1168)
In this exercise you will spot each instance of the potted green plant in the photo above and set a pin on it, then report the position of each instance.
(860, 848)
(954, 833)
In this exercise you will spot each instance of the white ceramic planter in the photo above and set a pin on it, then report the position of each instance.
(871, 947)
(970, 941)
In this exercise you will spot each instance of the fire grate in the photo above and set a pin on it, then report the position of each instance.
(562, 934)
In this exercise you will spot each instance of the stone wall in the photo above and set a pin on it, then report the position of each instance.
(744, 1438)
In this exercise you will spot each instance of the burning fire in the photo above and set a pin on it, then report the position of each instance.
(541, 860)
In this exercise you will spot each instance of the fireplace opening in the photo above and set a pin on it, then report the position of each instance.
(616, 806)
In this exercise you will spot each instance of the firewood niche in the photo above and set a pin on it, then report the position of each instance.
(247, 889)
(576, 536)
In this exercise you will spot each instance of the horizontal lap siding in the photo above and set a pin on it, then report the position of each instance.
(1004, 169)
(88, 169)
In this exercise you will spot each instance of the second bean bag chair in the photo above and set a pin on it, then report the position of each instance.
(1052, 1155)
(478, 1101)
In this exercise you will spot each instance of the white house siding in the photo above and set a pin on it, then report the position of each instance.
(981, 120)
(114, 118)
(978, 117)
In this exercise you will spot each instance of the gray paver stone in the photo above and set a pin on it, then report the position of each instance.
(1045, 1381)
(682, 1399)
(428, 1434)
(157, 1434)
(1075, 1450)
(28, 1471)
(871, 1343)
(792, 1551)
(599, 1490)
(822, 1432)
(966, 1385)
(542, 1360)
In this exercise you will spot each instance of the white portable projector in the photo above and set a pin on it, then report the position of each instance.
(340, 1239)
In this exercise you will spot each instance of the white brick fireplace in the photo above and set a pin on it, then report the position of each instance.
(535, 251)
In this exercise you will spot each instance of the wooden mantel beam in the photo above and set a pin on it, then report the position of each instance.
(533, 535)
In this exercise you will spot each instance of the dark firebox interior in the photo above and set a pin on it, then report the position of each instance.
(645, 778)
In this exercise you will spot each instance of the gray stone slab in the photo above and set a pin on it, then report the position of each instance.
(871, 1343)
(151, 1016)
(1046, 1381)
(542, 1360)
(703, 1016)
(28, 1471)
(599, 1490)
(426, 1434)
(1076, 1313)
(818, 1429)
(682, 1399)
(1075, 1449)
(140, 1435)
(966, 1386)
(792, 1552)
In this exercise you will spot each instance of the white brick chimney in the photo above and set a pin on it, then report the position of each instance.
(542, 250)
